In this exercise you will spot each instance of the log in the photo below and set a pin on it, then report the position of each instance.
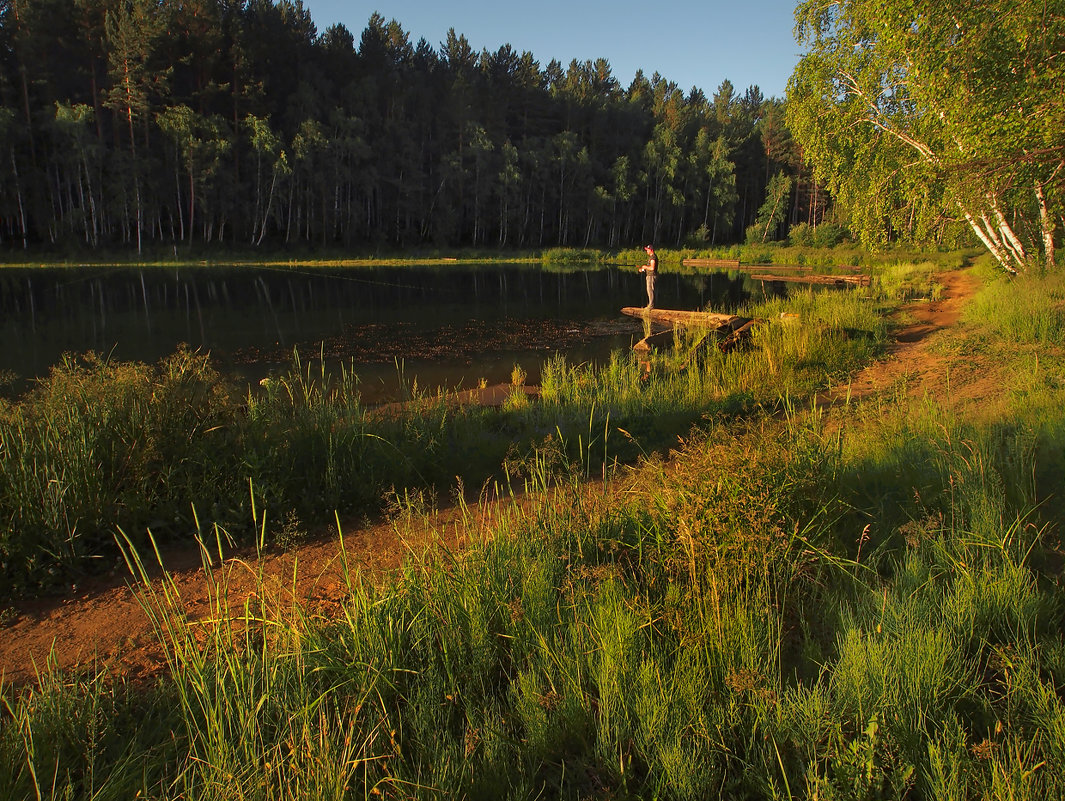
(731, 263)
(663, 339)
(735, 329)
(738, 336)
(754, 268)
(691, 319)
(828, 280)
(781, 268)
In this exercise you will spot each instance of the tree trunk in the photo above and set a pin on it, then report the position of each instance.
(1046, 224)
(258, 196)
(990, 240)
(180, 209)
(1008, 237)
(269, 204)
(192, 205)
(18, 194)
(92, 201)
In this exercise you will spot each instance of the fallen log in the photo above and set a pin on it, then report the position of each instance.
(738, 336)
(690, 319)
(754, 268)
(828, 280)
(802, 268)
(730, 263)
(663, 339)
(733, 328)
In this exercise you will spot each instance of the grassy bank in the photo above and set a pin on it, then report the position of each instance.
(203, 257)
(175, 449)
(779, 611)
(841, 255)
(862, 603)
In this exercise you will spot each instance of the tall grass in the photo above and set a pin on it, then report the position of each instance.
(1029, 310)
(174, 448)
(714, 627)
(781, 609)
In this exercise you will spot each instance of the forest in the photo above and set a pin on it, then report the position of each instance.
(154, 125)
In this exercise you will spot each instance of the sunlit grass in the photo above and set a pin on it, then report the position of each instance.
(1029, 310)
(174, 447)
(783, 608)
(713, 624)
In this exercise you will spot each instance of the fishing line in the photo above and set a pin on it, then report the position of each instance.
(368, 281)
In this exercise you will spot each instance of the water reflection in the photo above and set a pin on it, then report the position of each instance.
(451, 325)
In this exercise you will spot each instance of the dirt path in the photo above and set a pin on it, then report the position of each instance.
(102, 622)
(913, 363)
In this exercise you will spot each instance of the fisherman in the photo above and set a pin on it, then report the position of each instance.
(650, 270)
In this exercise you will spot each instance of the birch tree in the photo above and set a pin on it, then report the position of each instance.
(919, 112)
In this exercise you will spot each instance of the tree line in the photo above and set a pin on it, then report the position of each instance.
(148, 124)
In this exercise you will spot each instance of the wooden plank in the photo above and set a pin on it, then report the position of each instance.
(783, 268)
(828, 280)
(710, 262)
(754, 268)
(786, 268)
(691, 319)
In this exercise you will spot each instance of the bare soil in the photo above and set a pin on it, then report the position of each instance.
(915, 365)
(102, 622)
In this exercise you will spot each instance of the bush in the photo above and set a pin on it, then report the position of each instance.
(698, 238)
(570, 256)
(800, 235)
(826, 235)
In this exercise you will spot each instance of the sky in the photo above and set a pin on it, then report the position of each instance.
(688, 42)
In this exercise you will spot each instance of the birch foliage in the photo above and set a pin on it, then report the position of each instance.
(924, 114)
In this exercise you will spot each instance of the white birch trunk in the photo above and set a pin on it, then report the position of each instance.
(1008, 236)
(1046, 226)
(989, 240)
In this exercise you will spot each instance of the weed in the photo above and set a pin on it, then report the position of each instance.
(291, 533)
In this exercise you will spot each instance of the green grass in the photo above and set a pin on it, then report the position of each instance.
(709, 630)
(174, 449)
(781, 608)
(1029, 310)
(312, 257)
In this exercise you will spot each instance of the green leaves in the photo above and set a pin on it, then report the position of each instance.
(912, 110)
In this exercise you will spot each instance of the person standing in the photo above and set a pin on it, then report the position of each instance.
(650, 271)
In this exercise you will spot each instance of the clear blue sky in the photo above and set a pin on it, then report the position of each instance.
(687, 42)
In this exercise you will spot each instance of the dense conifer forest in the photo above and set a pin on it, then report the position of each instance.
(151, 125)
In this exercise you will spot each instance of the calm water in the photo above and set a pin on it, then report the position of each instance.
(449, 326)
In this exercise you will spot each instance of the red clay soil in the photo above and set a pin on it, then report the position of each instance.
(912, 361)
(101, 623)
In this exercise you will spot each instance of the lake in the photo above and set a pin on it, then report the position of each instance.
(450, 326)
